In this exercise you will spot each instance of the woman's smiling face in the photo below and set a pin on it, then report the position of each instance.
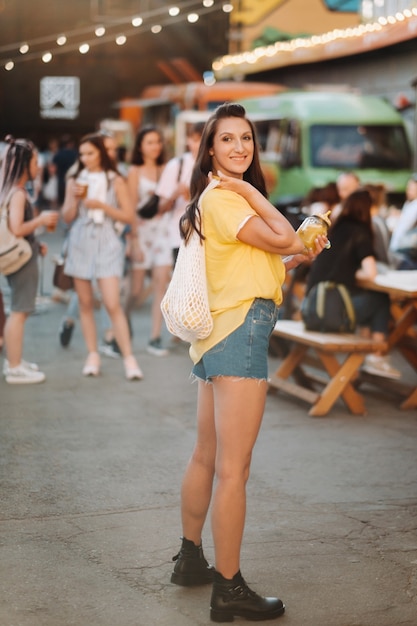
(233, 147)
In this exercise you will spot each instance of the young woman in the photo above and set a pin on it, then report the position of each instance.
(352, 257)
(153, 235)
(20, 166)
(245, 238)
(95, 251)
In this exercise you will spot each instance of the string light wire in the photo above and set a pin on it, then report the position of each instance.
(161, 16)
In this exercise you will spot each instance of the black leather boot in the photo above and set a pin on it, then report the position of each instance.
(233, 598)
(191, 568)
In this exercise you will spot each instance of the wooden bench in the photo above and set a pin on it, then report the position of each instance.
(351, 350)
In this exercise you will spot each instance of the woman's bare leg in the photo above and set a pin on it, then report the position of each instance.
(238, 406)
(13, 337)
(160, 279)
(198, 479)
(85, 294)
(110, 291)
(135, 287)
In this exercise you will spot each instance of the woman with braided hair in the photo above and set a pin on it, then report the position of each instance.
(20, 166)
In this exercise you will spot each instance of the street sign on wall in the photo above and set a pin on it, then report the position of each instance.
(60, 97)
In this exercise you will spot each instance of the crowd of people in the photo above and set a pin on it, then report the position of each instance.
(99, 199)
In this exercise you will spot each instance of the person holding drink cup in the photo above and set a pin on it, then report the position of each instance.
(20, 165)
(97, 197)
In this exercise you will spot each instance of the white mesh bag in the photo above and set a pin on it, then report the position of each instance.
(185, 306)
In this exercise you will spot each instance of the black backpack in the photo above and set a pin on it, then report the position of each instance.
(328, 308)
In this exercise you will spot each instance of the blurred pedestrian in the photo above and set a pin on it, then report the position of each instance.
(406, 221)
(20, 167)
(385, 260)
(346, 183)
(65, 156)
(150, 239)
(174, 185)
(95, 199)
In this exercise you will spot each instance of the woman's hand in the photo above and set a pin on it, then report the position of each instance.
(43, 248)
(79, 191)
(49, 219)
(321, 243)
(229, 183)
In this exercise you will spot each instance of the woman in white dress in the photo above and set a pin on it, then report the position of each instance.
(96, 198)
(153, 235)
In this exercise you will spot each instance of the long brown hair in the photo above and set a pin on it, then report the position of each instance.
(137, 155)
(106, 162)
(357, 207)
(203, 165)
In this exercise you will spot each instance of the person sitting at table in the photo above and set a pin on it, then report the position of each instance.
(407, 220)
(385, 259)
(351, 257)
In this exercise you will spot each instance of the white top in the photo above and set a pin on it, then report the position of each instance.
(166, 185)
(407, 220)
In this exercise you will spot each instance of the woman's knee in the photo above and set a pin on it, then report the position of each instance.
(234, 471)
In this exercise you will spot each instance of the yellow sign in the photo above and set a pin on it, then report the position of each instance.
(250, 12)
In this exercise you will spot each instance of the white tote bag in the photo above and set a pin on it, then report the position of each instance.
(185, 306)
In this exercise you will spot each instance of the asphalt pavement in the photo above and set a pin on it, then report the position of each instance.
(90, 473)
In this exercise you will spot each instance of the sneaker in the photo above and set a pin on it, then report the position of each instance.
(30, 366)
(155, 347)
(65, 333)
(110, 348)
(132, 369)
(22, 375)
(380, 366)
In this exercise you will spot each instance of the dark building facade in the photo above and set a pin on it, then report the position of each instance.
(95, 81)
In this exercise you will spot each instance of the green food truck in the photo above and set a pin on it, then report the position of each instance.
(308, 138)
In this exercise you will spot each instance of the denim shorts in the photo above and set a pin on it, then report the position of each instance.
(243, 353)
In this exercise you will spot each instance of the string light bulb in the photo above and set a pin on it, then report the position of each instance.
(121, 40)
(192, 18)
(24, 48)
(84, 48)
(47, 57)
(61, 40)
(174, 11)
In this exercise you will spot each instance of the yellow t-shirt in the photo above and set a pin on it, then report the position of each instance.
(237, 273)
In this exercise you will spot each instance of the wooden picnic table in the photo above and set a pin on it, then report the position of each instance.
(401, 286)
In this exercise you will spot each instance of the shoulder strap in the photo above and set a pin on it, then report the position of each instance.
(181, 163)
(347, 300)
(5, 205)
(212, 184)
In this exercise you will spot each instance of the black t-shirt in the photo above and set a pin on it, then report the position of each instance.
(351, 243)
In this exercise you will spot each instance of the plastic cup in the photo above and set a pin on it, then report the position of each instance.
(50, 228)
(84, 188)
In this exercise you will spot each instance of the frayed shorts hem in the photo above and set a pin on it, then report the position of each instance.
(243, 354)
